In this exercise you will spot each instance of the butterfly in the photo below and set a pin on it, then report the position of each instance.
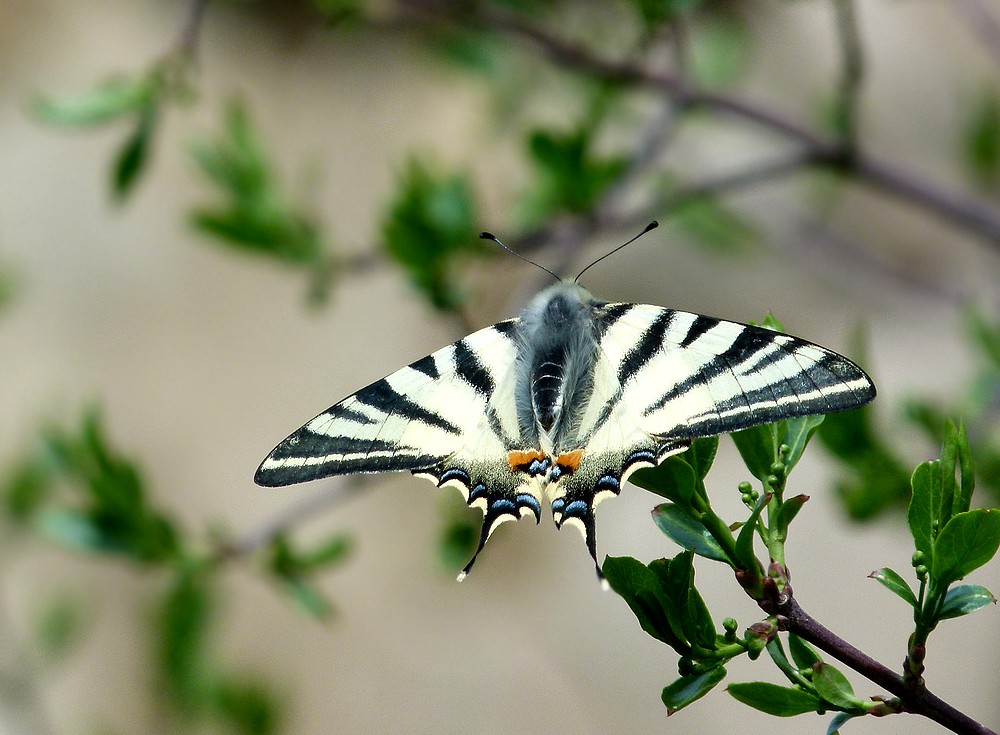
(561, 404)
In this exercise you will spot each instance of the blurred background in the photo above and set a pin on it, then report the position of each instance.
(217, 219)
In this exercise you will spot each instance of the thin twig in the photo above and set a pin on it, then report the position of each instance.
(917, 701)
(260, 537)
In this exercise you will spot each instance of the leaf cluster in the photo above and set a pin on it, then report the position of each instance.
(82, 493)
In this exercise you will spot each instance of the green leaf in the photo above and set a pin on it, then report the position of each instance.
(688, 689)
(183, 624)
(71, 529)
(925, 503)
(790, 508)
(252, 214)
(701, 454)
(131, 159)
(967, 475)
(981, 139)
(308, 598)
(758, 446)
(834, 687)
(967, 542)
(893, 582)
(571, 177)
(687, 612)
(804, 655)
(113, 99)
(249, 707)
(775, 700)
(796, 433)
(965, 599)
(744, 542)
(719, 51)
(332, 551)
(678, 525)
(673, 479)
(429, 224)
(838, 721)
(715, 226)
(641, 589)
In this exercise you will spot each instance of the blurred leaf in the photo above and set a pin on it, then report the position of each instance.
(115, 98)
(253, 214)
(430, 223)
(248, 706)
(131, 159)
(715, 226)
(654, 13)
(690, 688)
(571, 176)
(968, 541)
(182, 623)
(981, 139)
(678, 525)
(893, 582)
(309, 599)
(458, 538)
(70, 528)
(58, 625)
(965, 599)
(775, 700)
(27, 486)
(719, 51)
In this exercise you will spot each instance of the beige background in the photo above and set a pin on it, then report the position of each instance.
(202, 360)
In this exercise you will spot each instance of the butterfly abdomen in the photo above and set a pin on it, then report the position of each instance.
(556, 349)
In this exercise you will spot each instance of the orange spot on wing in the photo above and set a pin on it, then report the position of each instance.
(570, 461)
(520, 459)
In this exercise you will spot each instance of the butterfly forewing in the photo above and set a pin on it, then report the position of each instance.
(413, 419)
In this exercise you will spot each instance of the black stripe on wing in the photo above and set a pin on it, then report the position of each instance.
(799, 379)
(382, 396)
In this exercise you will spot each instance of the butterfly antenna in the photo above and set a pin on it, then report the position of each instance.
(494, 238)
(651, 226)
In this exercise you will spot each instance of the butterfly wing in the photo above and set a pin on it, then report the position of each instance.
(449, 417)
(664, 377)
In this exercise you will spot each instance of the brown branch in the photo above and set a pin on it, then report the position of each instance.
(960, 209)
(792, 618)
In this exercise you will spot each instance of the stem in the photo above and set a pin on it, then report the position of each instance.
(915, 699)
(848, 95)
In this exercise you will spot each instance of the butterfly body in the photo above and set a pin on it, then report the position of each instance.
(562, 404)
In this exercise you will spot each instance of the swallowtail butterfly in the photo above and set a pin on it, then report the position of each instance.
(564, 402)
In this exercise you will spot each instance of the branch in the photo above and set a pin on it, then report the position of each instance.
(848, 96)
(921, 701)
(960, 209)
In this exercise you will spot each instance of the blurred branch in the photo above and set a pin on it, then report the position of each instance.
(983, 23)
(961, 209)
(187, 40)
(848, 97)
(262, 536)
